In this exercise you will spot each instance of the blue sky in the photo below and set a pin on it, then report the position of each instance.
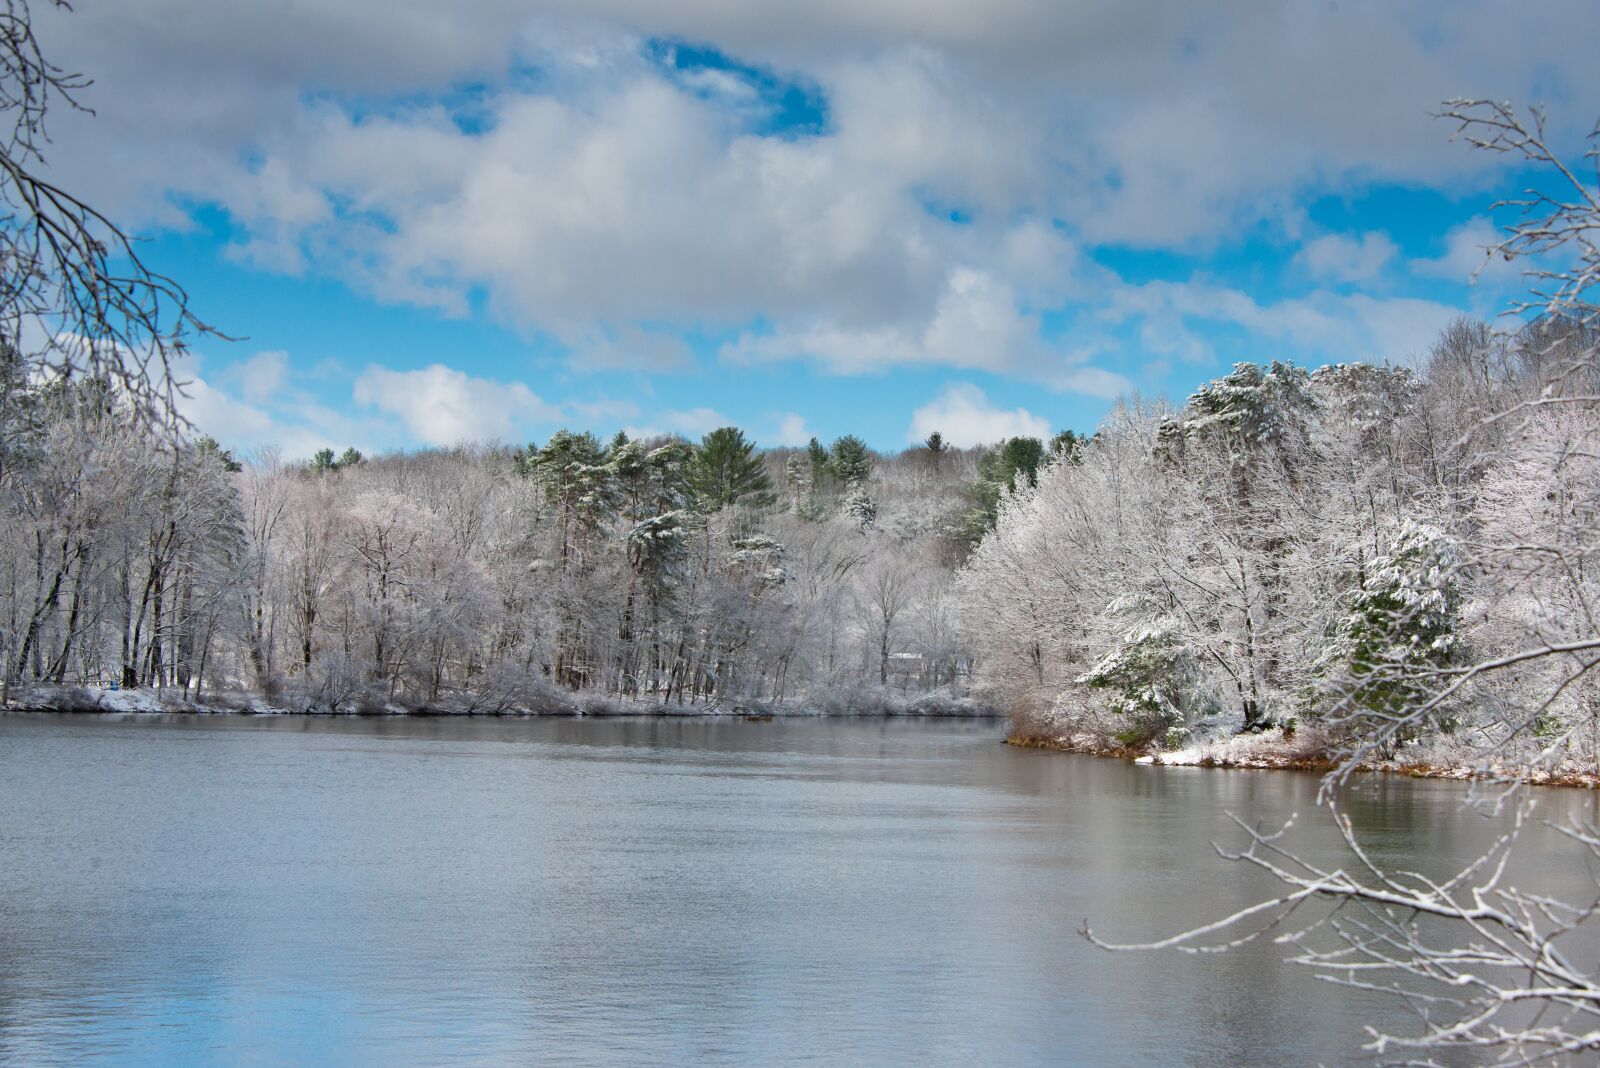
(486, 222)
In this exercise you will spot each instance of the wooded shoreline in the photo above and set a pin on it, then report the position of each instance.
(840, 704)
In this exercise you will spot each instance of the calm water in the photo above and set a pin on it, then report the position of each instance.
(618, 892)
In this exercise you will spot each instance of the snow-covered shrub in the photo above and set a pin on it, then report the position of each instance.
(1398, 631)
(1153, 683)
(859, 507)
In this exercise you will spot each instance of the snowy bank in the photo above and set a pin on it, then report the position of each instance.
(539, 700)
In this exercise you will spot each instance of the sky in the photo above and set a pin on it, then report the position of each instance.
(430, 223)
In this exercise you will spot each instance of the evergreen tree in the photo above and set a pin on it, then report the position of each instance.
(1398, 632)
(818, 455)
(655, 497)
(1152, 680)
(851, 460)
(860, 507)
(821, 475)
(208, 448)
(523, 458)
(1014, 462)
(1251, 409)
(578, 482)
(1067, 445)
(22, 409)
(350, 457)
(726, 472)
(1017, 456)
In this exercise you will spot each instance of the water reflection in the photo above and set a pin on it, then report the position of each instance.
(595, 892)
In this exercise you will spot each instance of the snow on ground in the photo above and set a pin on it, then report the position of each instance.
(126, 700)
(537, 700)
(1270, 749)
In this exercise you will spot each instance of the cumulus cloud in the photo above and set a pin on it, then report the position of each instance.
(443, 406)
(945, 208)
(964, 415)
(693, 420)
(261, 378)
(261, 418)
(1466, 256)
(975, 322)
(686, 422)
(1322, 325)
(214, 412)
(792, 430)
(1347, 257)
(1094, 382)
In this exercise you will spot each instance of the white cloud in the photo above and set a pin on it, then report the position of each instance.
(1094, 382)
(693, 420)
(223, 417)
(261, 378)
(935, 216)
(711, 81)
(1149, 110)
(1347, 257)
(257, 421)
(687, 422)
(792, 430)
(1321, 325)
(603, 410)
(1466, 256)
(629, 347)
(963, 414)
(1399, 330)
(978, 322)
(443, 406)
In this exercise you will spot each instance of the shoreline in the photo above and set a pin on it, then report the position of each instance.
(1301, 751)
(687, 712)
(78, 700)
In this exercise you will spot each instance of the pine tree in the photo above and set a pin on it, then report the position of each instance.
(578, 482)
(1250, 408)
(1067, 445)
(851, 460)
(1152, 680)
(861, 508)
(818, 455)
(1013, 463)
(726, 472)
(1398, 632)
(208, 448)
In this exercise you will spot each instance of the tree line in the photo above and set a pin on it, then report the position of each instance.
(478, 578)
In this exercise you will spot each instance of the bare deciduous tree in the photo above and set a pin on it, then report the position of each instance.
(76, 298)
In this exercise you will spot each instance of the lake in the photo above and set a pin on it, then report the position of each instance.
(283, 891)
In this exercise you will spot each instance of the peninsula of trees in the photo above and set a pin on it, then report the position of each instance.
(1360, 555)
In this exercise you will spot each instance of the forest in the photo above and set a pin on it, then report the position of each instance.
(1325, 552)
(1286, 551)
(569, 575)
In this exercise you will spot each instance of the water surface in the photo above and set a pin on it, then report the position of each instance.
(237, 891)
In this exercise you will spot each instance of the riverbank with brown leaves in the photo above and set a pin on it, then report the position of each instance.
(1307, 750)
